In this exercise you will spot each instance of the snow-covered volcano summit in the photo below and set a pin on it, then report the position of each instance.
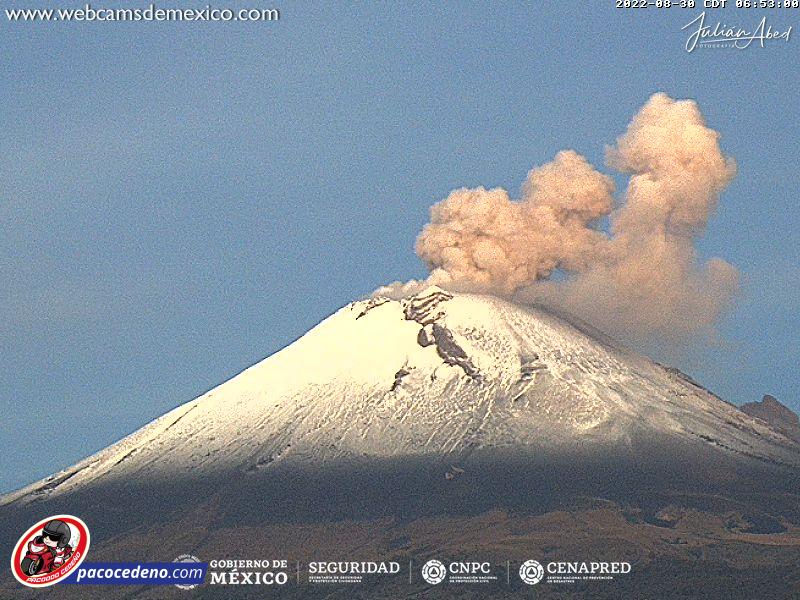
(432, 374)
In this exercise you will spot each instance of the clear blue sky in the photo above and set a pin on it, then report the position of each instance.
(178, 201)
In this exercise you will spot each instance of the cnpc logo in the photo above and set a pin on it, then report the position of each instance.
(435, 571)
(50, 550)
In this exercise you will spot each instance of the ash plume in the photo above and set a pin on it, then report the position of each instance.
(642, 276)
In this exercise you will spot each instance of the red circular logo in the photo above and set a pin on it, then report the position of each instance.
(50, 550)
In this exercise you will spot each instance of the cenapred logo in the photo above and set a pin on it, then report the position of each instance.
(434, 571)
(531, 572)
(50, 550)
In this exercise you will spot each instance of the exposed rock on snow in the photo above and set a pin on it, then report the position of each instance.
(423, 308)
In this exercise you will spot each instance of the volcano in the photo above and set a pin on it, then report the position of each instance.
(441, 424)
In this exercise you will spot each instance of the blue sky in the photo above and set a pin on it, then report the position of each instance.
(178, 201)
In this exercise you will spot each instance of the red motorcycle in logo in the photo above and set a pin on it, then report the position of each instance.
(50, 550)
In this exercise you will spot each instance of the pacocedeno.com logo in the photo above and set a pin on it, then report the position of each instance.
(50, 550)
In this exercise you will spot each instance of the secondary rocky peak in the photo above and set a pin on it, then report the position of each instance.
(777, 415)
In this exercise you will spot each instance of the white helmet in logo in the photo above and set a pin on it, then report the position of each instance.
(434, 572)
(531, 572)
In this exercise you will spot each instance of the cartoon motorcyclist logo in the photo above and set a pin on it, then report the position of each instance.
(50, 550)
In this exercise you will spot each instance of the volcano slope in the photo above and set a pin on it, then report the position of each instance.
(453, 426)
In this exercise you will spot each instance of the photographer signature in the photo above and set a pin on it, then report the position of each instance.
(731, 35)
